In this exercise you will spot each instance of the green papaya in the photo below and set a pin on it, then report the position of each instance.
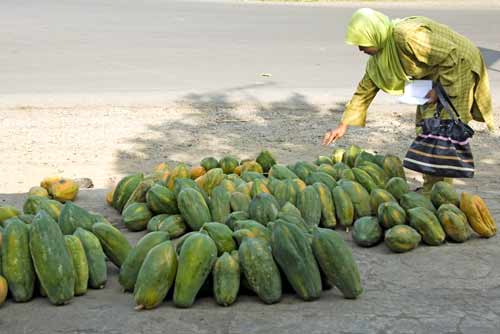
(156, 276)
(336, 261)
(260, 270)
(80, 263)
(226, 279)
(51, 259)
(115, 245)
(196, 259)
(132, 264)
(294, 255)
(17, 266)
(95, 257)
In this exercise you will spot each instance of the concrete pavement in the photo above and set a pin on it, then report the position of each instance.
(152, 51)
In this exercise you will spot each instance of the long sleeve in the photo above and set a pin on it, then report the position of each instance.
(357, 108)
(439, 53)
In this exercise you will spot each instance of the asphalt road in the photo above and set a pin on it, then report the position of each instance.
(56, 50)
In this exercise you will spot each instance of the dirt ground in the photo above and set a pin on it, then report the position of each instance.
(448, 289)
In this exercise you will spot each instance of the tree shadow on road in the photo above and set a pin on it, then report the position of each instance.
(213, 124)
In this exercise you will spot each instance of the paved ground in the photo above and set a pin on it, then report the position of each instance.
(127, 51)
(111, 118)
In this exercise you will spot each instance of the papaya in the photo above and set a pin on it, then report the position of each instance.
(181, 183)
(263, 208)
(364, 179)
(379, 196)
(260, 270)
(347, 174)
(284, 191)
(327, 205)
(124, 189)
(221, 235)
(259, 186)
(38, 191)
(350, 155)
(412, 200)
(478, 215)
(427, 224)
(390, 214)
(442, 193)
(139, 193)
(322, 159)
(239, 201)
(80, 263)
(228, 185)
(17, 265)
(454, 224)
(362, 157)
(73, 216)
(155, 222)
(31, 205)
(196, 171)
(393, 166)
(234, 217)
(132, 264)
(174, 225)
(210, 180)
(259, 230)
(302, 169)
(251, 166)
(344, 209)
(294, 255)
(401, 238)
(49, 181)
(266, 160)
(397, 186)
(235, 178)
(209, 163)
(64, 190)
(252, 176)
(4, 288)
(181, 171)
(328, 169)
(136, 216)
(308, 202)
(161, 199)
(359, 196)
(228, 164)
(338, 169)
(220, 204)
(156, 276)
(281, 172)
(291, 209)
(196, 259)
(366, 232)
(51, 259)
(193, 208)
(115, 245)
(95, 258)
(338, 155)
(27, 219)
(336, 261)
(226, 279)
(377, 173)
(8, 211)
(324, 178)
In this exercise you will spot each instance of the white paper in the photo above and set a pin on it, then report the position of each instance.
(415, 92)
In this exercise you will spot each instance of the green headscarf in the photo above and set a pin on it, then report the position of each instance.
(373, 29)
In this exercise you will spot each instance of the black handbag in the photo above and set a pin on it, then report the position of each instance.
(442, 148)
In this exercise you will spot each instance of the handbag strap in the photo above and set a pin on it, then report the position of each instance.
(444, 101)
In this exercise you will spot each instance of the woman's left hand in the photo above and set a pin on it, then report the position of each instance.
(432, 96)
